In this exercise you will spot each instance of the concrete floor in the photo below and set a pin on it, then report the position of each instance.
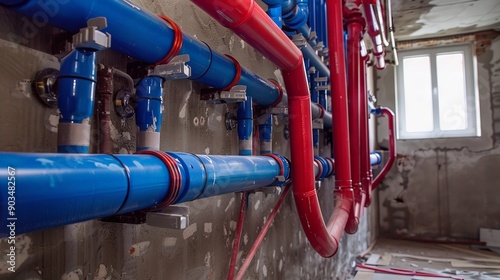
(459, 261)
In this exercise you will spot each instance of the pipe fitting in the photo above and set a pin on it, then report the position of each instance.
(149, 112)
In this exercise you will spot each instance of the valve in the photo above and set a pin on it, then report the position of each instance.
(91, 38)
(45, 87)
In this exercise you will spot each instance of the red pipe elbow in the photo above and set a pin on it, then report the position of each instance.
(392, 147)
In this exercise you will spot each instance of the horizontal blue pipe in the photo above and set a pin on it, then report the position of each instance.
(140, 34)
(375, 159)
(149, 99)
(58, 189)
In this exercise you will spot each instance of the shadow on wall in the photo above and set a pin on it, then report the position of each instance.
(395, 204)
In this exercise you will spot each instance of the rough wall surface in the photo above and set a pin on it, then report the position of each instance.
(446, 187)
(98, 250)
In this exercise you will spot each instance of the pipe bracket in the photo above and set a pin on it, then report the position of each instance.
(176, 69)
(234, 95)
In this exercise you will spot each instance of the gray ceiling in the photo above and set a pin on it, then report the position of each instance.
(414, 19)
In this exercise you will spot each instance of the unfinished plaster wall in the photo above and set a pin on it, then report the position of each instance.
(446, 187)
(99, 250)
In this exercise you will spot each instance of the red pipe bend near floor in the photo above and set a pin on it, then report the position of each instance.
(392, 146)
(355, 25)
(254, 26)
(366, 168)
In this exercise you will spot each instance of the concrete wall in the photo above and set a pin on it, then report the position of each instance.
(446, 187)
(98, 250)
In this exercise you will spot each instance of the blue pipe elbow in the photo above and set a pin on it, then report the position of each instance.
(149, 112)
(77, 82)
(274, 11)
(375, 158)
(245, 126)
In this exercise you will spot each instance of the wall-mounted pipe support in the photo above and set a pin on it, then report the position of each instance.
(149, 113)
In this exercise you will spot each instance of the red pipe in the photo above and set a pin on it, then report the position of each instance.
(376, 36)
(237, 237)
(253, 25)
(262, 233)
(392, 146)
(366, 168)
(355, 25)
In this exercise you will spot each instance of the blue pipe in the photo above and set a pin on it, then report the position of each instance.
(321, 27)
(245, 127)
(266, 135)
(375, 159)
(274, 11)
(144, 36)
(149, 113)
(315, 99)
(77, 82)
(295, 17)
(315, 60)
(59, 189)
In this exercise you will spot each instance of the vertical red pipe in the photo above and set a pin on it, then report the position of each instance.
(355, 25)
(253, 25)
(375, 34)
(366, 173)
(341, 136)
(392, 146)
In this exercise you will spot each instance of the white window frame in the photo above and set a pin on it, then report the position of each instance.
(473, 121)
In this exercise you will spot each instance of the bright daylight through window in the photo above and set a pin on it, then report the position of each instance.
(436, 94)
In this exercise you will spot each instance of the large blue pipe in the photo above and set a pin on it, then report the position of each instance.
(144, 36)
(149, 113)
(55, 189)
(77, 82)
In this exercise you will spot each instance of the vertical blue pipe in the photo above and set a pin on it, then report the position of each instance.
(77, 82)
(274, 11)
(149, 113)
(266, 135)
(245, 126)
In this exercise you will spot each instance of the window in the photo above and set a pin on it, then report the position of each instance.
(436, 93)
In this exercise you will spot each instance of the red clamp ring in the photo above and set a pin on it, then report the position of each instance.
(238, 73)
(176, 46)
(280, 90)
(280, 163)
(322, 110)
(332, 162)
(175, 177)
(320, 169)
